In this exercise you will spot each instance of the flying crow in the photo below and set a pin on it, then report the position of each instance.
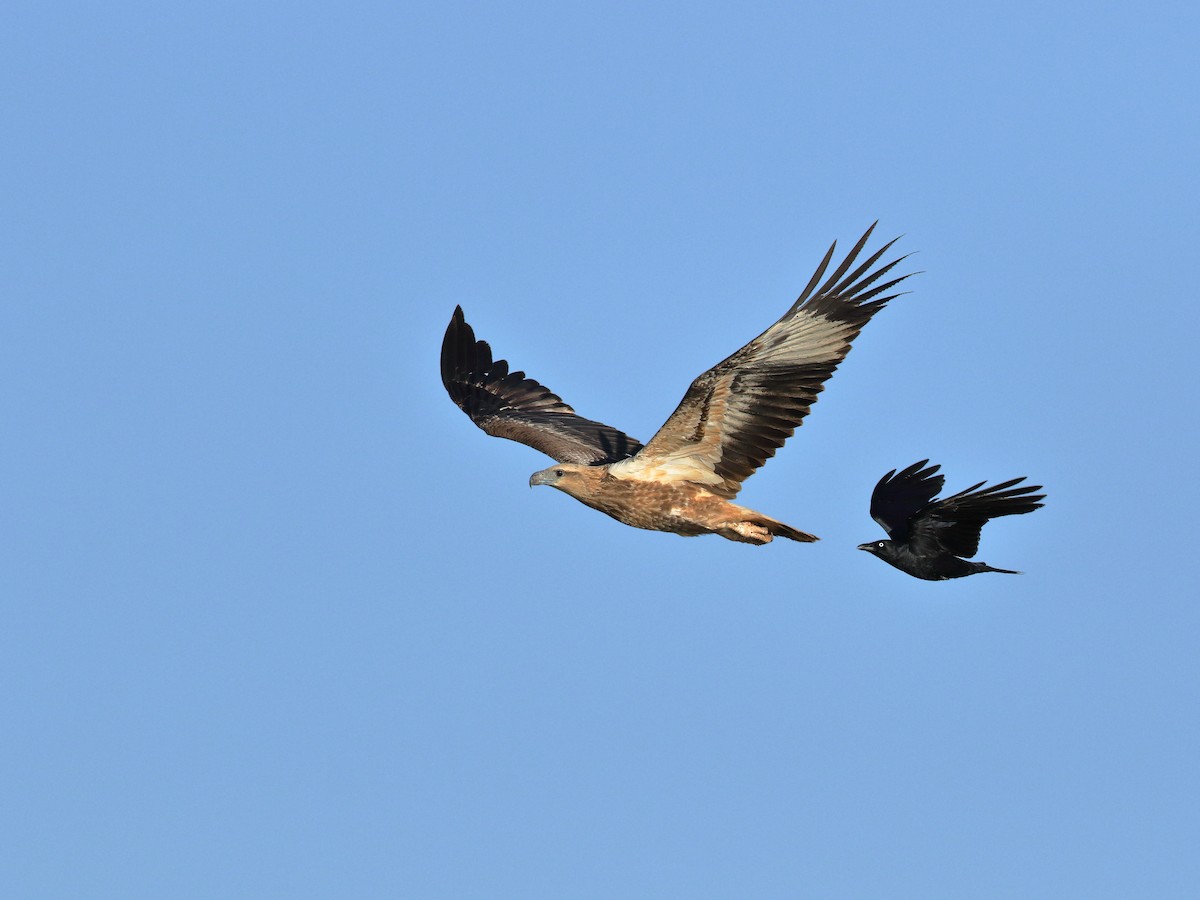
(928, 536)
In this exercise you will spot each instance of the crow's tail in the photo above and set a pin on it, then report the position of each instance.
(984, 567)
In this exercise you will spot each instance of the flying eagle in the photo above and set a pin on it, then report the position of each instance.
(927, 536)
(731, 420)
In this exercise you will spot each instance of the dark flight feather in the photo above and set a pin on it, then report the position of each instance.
(898, 496)
(953, 524)
(509, 405)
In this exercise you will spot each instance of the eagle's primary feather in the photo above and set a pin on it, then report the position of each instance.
(509, 405)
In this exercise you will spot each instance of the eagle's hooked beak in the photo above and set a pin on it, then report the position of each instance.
(542, 477)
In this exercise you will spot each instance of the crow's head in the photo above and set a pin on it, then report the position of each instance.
(885, 550)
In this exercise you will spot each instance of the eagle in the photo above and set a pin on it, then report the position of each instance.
(927, 537)
(731, 420)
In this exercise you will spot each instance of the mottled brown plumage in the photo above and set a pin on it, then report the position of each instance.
(679, 507)
(731, 420)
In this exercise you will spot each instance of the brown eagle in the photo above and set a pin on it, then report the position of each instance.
(731, 420)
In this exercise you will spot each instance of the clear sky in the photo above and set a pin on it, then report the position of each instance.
(278, 621)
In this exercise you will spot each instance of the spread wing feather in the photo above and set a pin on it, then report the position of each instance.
(898, 497)
(953, 523)
(737, 414)
(509, 405)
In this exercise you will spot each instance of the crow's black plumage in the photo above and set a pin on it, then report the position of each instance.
(928, 536)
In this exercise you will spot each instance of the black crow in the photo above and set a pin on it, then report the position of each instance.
(928, 536)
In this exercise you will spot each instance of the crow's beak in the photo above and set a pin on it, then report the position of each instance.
(866, 547)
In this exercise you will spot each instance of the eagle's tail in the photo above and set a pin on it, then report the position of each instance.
(750, 527)
(776, 528)
(780, 530)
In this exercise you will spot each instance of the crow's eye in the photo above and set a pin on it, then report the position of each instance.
(880, 545)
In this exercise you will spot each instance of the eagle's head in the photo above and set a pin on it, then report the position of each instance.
(570, 478)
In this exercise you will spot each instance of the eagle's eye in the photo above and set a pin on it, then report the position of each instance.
(559, 473)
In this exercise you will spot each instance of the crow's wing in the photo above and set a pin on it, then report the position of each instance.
(898, 497)
(953, 523)
(737, 414)
(509, 405)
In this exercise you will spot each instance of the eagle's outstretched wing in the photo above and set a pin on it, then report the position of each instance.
(509, 405)
(737, 414)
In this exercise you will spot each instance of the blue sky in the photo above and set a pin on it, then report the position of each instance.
(278, 621)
